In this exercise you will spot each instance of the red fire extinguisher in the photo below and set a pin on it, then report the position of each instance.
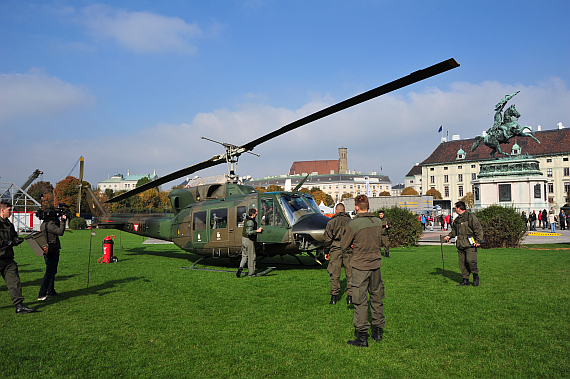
(108, 257)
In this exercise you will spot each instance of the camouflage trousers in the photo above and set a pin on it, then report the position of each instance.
(366, 282)
(337, 259)
(248, 255)
(9, 270)
(468, 261)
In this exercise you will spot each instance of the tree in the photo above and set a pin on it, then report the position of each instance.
(110, 193)
(468, 199)
(39, 189)
(260, 189)
(319, 196)
(143, 180)
(409, 191)
(66, 192)
(435, 193)
(347, 195)
(305, 190)
(384, 193)
(274, 188)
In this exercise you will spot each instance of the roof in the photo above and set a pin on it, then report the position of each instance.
(552, 142)
(322, 167)
(416, 170)
(319, 179)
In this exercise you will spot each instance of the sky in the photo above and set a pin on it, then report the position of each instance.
(132, 85)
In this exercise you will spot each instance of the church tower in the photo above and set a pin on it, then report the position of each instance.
(342, 161)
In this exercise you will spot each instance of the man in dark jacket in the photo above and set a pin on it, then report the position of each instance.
(385, 228)
(336, 256)
(53, 228)
(249, 236)
(8, 267)
(364, 234)
(469, 236)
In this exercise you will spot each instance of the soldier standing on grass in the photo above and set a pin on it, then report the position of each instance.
(469, 236)
(364, 234)
(8, 267)
(385, 228)
(249, 236)
(336, 256)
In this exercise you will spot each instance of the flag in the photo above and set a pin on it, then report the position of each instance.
(440, 129)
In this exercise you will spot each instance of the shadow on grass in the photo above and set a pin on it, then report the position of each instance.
(168, 254)
(451, 275)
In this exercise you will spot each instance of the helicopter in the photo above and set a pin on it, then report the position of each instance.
(208, 219)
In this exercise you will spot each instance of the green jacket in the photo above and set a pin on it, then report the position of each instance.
(335, 230)
(7, 233)
(464, 226)
(385, 226)
(250, 229)
(364, 234)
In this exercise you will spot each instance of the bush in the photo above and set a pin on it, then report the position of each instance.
(405, 230)
(502, 226)
(78, 223)
(409, 191)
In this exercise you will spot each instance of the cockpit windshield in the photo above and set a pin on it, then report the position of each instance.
(296, 206)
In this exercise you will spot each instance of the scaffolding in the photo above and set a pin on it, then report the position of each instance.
(23, 206)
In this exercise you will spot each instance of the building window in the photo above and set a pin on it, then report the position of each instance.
(551, 200)
(411, 181)
(431, 168)
(550, 187)
(566, 187)
(460, 190)
(549, 172)
(445, 168)
(460, 167)
(565, 159)
(548, 160)
(446, 190)
(432, 179)
(460, 177)
(472, 166)
(446, 178)
(566, 171)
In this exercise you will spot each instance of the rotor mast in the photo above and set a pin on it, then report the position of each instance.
(231, 157)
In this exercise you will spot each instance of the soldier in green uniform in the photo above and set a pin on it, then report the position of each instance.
(364, 234)
(8, 267)
(336, 256)
(385, 227)
(469, 236)
(249, 236)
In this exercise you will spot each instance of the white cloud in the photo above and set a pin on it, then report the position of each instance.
(142, 32)
(393, 132)
(36, 94)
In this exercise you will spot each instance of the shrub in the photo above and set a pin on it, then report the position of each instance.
(78, 223)
(435, 193)
(409, 191)
(502, 226)
(405, 230)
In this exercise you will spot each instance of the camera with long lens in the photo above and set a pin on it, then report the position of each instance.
(54, 213)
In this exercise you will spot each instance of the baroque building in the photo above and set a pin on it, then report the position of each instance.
(452, 166)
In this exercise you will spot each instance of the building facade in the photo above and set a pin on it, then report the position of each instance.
(118, 182)
(452, 167)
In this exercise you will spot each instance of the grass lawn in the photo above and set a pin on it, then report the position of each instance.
(146, 317)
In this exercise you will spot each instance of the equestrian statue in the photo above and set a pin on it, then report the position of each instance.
(504, 128)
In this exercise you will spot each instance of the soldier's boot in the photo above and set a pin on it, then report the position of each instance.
(361, 340)
(475, 280)
(333, 300)
(21, 308)
(465, 282)
(377, 334)
(387, 254)
(238, 273)
(348, 300)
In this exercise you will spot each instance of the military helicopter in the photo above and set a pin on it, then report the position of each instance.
(208, 220)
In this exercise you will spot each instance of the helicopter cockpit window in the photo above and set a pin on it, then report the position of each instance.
(240, 217)
(296, 206)
(199, 220)
(218, 218)
(270, 215)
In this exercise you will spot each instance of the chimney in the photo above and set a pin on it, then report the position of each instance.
(455, 137)
(539, 128)
(560, 126)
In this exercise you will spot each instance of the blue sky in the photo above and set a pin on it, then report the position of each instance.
(133, 86)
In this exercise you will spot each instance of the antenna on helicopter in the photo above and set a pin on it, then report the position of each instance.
(231, 157)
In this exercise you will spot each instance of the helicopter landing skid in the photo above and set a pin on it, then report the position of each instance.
(262, 273)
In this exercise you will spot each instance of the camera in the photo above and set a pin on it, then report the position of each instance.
(54, 213)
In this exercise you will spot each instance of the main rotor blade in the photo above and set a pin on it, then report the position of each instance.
(170, 177)
(81, 163)
(384, 89)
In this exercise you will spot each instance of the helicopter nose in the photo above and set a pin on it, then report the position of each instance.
(311, 228)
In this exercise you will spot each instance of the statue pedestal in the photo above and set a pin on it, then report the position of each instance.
(514, 181)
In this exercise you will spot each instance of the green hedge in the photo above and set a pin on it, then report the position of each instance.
(405, 230)
(502, 226)
(78, 223)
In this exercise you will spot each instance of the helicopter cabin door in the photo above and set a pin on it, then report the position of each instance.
(218, 227)
(200, 235)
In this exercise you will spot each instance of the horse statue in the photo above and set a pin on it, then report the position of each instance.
(505, 127)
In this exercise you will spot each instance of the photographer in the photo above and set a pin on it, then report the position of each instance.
(53, 226)
(8, 267)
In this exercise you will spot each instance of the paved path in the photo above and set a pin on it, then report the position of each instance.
(432, 237)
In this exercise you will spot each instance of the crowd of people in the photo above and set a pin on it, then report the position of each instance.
(546, 219)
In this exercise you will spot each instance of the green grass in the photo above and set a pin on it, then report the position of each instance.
(146, 317)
